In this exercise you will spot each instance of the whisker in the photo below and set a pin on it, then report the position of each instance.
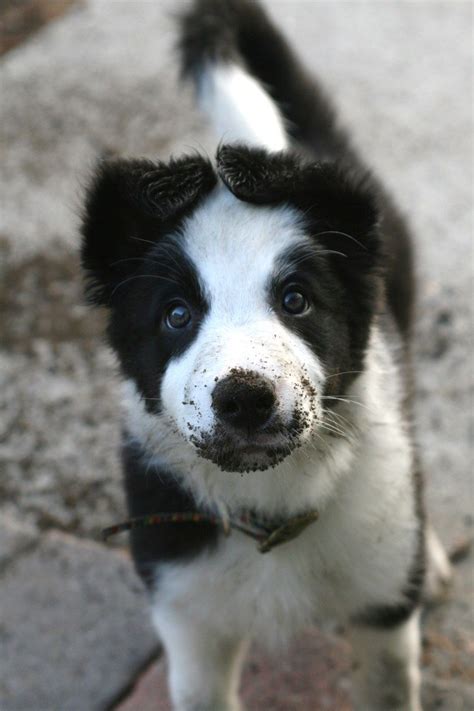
(332, 251)
(327, 449)
(146, 260)
(169, 255)
(346, 400)
(141, 239)
(333, 430)
(314, 252)
(343, 421)
(339, 421)
(345, 372)
(343, 234)
(142, 276)
(159, 247)
(323, 443)
(129, 259)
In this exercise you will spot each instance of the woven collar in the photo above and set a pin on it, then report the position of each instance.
(266, 532)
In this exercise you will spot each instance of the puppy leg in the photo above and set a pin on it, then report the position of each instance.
(204, 666)
(438, 568)
(386, 669)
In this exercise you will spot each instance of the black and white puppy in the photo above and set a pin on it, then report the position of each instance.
(260, 309)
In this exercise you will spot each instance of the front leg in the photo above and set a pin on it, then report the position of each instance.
(204, 665)
(386, 667)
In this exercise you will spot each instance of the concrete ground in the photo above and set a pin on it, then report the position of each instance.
(73, 627)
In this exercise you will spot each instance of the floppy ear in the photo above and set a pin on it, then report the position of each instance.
(129, 205)
(338, 206)
(255, 175)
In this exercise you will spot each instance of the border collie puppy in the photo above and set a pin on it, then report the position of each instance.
(260, 309)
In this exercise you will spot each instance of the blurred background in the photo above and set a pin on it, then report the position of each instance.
(82, 77)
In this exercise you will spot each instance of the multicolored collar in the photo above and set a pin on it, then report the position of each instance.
(268, 533)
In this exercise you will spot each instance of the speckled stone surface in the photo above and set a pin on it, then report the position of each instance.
(103, 78)
(74, 627)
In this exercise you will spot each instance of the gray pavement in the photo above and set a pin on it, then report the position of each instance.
(73, 630)
(74, 626)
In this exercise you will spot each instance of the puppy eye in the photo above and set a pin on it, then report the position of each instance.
(294, 302)
(178, 316)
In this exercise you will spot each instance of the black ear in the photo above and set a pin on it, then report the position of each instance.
(338, 206)
(255, 175)
(130, 204)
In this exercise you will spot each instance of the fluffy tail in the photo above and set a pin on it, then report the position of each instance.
(251, 83)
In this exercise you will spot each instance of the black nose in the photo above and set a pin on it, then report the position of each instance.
(244, 400)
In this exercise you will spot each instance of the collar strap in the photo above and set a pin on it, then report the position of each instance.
(266, 535)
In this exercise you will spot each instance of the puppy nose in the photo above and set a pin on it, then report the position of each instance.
(244, 400)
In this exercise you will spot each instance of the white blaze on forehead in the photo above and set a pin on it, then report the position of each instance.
(235, 247)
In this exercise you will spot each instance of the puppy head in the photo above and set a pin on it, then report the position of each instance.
(240, 302)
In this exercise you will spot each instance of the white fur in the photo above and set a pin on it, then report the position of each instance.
(387, 673)
(204, 662)
(240, 108)
(363, 490)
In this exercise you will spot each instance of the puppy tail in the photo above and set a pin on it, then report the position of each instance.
(229, 92)
(251, 83)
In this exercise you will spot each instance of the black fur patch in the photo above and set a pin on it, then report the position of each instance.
(207, 33)
(151, 490)
(130, 205)
(137, 326)
(331, 326)
(135, 268)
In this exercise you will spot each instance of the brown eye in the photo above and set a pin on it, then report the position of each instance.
(178, 316)
(294, 302)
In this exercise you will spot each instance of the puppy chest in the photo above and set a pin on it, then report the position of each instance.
(270, 594)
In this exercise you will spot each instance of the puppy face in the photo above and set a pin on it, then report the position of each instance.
(231, 306)
(246, 390)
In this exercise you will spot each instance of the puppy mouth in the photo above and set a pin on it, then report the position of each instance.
(239, 453)
(250, 458)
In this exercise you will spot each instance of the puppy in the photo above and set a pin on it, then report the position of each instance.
(260, 307)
